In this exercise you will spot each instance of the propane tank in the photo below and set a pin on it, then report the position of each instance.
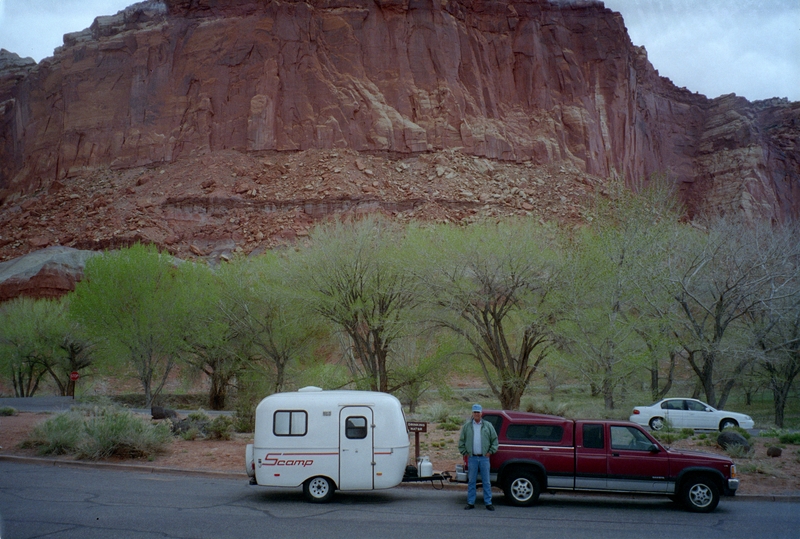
(424, 467)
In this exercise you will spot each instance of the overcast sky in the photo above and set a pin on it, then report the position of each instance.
(714, 47)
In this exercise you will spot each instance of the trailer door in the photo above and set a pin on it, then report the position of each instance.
(356, 460)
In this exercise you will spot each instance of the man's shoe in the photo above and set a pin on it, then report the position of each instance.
(469, 506)
(490, 507)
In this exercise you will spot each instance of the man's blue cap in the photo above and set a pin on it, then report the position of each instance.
(477, 408)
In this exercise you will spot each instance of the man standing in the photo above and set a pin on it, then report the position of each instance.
(478, 440)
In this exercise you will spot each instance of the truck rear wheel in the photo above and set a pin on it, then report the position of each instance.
(700, 495)
(522, 488)
(318, 489)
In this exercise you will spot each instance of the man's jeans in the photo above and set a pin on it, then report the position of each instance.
(475, 464)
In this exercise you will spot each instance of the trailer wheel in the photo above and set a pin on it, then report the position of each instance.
(318, 489)
(700, 495)
(522, 488)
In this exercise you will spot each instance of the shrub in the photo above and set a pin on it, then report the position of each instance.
(740, 451)
(58, 435)
(790, 438)
(192, 433)
(220, 428)
(450, 427)
(99, 434)
(120, 433)
(8, 411)
(198, 415)
(437, 412)
(669, 436)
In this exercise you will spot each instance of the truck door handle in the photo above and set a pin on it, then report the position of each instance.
(614, 454)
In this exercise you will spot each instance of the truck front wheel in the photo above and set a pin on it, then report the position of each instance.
(700, 495)
(522, 488)
(318, 489)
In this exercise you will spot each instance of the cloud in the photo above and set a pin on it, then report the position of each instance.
(717, 47)
(35, 28)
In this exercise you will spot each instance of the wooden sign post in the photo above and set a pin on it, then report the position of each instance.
(416, 427)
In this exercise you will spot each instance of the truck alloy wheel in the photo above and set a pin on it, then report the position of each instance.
(522, 488)
(318, 489)
(700, 495)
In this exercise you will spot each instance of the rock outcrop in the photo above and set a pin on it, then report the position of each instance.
(47, 273)
(517, 80)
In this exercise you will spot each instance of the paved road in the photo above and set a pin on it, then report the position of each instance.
(59, 503)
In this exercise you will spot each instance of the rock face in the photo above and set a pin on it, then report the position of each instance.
(47, 273)
(537, 81)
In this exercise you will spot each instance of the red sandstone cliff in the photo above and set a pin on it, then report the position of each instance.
(537, 82)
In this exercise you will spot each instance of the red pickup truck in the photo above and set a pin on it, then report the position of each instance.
(544, 453)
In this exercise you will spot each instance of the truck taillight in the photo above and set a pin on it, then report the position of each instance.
(636, 412)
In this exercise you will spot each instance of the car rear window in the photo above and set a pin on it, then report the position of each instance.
(535, 433)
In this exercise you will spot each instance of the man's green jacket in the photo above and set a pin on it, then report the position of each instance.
(488, 438)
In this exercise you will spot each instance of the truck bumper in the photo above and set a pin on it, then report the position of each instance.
(730, 488)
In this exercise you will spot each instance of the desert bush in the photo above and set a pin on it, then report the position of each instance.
(536, 406)
(58, 435)
(220, 428)
(789, 438)
(740, 451)
(98, 434)
(192, 433)
(669, 436)
(436, 412)
(452, 423)
(120, 433)
(7, 411)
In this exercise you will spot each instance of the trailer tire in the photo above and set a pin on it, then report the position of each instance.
(318, 489)
(522, 488)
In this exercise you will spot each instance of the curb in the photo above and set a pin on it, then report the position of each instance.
(788, 498)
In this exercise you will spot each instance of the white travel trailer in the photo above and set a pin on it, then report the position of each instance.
(328, 440)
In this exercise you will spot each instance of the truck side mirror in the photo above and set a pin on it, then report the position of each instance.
(653, 448)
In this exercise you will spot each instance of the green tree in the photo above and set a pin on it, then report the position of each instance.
(617, 308)
(498, 287)
(36, 338)
(129, 301)
(214, 344)
(261, 304)
(355, 276)
(22, 353)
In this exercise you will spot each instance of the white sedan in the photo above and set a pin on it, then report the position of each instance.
(687, 413)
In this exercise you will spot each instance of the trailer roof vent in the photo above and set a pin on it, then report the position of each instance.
(310, 388)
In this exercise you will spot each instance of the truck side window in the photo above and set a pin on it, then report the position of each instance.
(629, 438)
(593, 437)
(495, 420)
(355, 427)
(535, 433)
(290, 423)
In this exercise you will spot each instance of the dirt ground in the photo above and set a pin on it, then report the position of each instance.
(759, 474)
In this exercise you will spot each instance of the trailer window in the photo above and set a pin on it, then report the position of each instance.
(355, 427)
(290, 423)
(535, 433)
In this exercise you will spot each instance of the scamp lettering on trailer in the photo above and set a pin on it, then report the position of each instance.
(328, 441)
